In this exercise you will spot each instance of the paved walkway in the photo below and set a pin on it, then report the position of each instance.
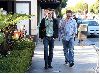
(85, 60)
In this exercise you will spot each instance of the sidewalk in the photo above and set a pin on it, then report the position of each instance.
(85, 60)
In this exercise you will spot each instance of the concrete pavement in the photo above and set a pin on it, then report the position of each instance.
(85, 60)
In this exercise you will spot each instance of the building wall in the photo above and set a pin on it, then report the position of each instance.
(34, 29)
(39, 14)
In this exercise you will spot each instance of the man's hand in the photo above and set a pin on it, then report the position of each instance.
(75, 35)
(54, 39)
(43, 29)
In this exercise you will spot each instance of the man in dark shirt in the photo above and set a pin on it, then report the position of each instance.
(48, 31)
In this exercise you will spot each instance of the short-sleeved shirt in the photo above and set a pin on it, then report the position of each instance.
(68, 28)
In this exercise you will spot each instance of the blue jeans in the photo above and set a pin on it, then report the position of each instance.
(68, 47)
(48, 41)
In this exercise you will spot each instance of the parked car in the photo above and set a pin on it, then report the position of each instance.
(93, 27)
(79, 20)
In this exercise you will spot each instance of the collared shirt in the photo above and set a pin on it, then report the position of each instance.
(68, 29)
(49, 27)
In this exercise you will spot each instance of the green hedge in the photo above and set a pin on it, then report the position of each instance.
(23, 43)
(19, 59)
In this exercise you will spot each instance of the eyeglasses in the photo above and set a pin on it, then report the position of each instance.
(49, 12)
(69, 16)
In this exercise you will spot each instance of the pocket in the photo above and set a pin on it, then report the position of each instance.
(67, 42)
(43, 40)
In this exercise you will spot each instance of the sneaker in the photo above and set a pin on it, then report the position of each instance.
(50, 67)
(45, 67)
(66, 62)
(71, 64)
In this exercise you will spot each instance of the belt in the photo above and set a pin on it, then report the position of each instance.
(72, 34)
(49, 36)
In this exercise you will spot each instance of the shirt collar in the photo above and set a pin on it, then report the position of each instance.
(69, 19)
(49, 18)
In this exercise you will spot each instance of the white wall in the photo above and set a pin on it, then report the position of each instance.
(34, 30)
(40, 14)
(34, 20)
(19, 9)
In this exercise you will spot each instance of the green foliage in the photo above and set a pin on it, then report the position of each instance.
(1, 37)
(23, 43)
(11, 19)
(19, 60)
(8, 23)
(84, 7)
(63, 11)
(21, 55)
(94, 8)
(63, 3)
(7, 19)
(79, 7)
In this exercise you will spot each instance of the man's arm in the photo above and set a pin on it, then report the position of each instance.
(61, 27)
(61, 24)
(42, 28)
(55, 28)
(75, 27)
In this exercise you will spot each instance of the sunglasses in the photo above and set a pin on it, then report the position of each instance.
(49, 13)
(69, 16)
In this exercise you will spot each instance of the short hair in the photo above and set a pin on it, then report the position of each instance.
(68, 11)
(49, 9)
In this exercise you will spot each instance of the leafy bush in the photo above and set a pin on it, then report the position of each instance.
(19, 58)
(23, 43)
(8, 24)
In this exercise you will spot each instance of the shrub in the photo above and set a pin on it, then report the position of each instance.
(23, 43)
(19, 58)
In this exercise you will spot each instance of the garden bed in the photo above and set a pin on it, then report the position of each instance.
(19, 59)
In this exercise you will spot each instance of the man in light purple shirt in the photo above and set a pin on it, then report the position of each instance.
(68, 28)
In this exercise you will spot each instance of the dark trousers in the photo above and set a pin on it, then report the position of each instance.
(48, 41)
